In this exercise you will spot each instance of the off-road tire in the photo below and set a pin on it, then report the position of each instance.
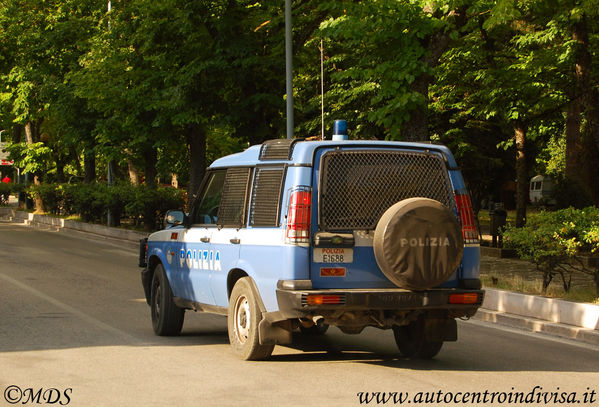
(167, 318)
(411, 341)
(242, 322)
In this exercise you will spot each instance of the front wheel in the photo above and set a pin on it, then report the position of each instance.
(167, 318)
(242, 323)
(412, 343)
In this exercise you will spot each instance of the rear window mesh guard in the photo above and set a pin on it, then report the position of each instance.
(357, 187)
(231, 211)
(266, 197)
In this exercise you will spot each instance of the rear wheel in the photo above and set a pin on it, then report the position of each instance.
(167, 318)
(242, 323)
(412, 343)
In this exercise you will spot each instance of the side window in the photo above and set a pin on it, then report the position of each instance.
(266, 197)
(232, 208)
(206, 212)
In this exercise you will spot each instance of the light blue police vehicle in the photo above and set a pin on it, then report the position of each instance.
(299, 235)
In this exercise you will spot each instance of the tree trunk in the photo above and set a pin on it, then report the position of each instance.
(89, 164)
(416, 128)
(76, 159)
(30, 133)
(151, 157)
(32, 136)
(196, 142)
(133, 174)
(521, 175)
(573, 142)
(589, 100)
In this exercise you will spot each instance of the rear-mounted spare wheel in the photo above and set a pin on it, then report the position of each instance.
(418, 243)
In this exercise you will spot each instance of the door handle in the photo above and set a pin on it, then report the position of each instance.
(235, 241)
(205, 240)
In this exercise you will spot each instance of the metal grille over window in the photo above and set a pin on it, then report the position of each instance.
(357, 187)
(277, 149)
(266, 197)
(232, 205)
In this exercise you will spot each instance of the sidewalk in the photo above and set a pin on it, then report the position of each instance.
(561, 318)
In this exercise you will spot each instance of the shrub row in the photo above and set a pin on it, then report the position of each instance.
(92, 201)
(557, 243)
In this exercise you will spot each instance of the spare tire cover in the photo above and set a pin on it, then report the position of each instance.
(418, 243)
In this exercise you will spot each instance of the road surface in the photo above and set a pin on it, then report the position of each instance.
(75, 330)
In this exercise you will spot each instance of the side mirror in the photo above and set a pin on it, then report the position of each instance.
(173, 218)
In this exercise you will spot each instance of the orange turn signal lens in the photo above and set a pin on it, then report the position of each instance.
(318, 299)
(464, 298)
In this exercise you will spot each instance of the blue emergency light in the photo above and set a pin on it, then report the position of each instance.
(340, 130)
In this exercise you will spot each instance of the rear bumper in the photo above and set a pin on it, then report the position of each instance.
(297, 299)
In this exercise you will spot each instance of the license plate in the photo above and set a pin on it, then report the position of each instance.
(333, 255)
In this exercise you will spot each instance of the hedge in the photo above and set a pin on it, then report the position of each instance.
(92, 201)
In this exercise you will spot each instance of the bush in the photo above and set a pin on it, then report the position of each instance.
(92, 201)
(10, 188)
(554, 241)
(151, 204)
(49, 194)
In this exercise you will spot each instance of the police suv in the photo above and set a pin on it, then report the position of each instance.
(295, 234)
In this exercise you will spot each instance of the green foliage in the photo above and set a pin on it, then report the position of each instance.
(554, 240)
(375, 51)
(92, 201)
(31, 158)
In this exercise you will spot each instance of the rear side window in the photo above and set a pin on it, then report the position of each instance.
(266, 197)
(232, 209)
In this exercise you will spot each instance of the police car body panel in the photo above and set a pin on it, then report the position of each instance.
(279, 238)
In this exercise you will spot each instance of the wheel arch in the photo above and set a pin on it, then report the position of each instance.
(235, 275)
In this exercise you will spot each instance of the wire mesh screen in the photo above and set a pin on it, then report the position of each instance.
(231, 211)
(357, 187)
(266, 197)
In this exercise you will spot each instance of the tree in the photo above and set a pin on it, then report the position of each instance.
(504, 70)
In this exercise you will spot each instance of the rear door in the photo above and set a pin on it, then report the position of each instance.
(226, 238)
(356, 186)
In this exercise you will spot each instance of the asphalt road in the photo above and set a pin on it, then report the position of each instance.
(74, 324)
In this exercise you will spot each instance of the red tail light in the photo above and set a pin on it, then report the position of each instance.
(298, 216)
(469, 228)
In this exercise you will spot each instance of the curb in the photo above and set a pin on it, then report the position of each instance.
(62, 225)
(566, 319)
(577, 321)
(531, 324)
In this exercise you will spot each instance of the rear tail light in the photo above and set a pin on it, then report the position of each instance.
(298, 216)
(466, 214)
(319, 299)
(464, 298)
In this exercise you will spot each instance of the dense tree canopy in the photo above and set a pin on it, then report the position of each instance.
(160, 89)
